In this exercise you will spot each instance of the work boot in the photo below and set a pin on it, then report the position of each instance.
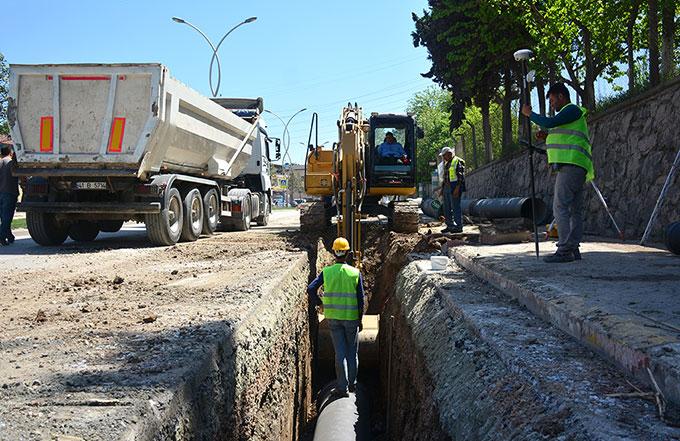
(352, 388)
(577, 254)
(457, 230)
(446, 230)
(559, 257)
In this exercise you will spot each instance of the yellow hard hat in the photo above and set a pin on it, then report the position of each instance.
(340, 244)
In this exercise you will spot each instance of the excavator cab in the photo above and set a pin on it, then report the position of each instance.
(391, 155)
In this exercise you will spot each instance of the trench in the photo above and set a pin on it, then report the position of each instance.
(448, 358)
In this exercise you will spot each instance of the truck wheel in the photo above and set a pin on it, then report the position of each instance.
(211, 211)
(263, 220)
(165, 228)
(45, 229)
(110, 226)
(244, 224)
(83, 231)
(193, 216)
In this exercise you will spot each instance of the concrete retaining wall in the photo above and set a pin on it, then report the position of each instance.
(634, 145)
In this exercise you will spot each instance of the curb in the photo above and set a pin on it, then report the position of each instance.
(632, 361)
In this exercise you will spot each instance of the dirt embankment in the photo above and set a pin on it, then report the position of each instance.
(204, 340)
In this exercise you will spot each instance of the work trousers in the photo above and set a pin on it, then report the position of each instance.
(345, 336)
(8, 203)
(568, 206)
(452, 211)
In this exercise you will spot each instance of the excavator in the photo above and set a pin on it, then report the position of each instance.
(370, 171)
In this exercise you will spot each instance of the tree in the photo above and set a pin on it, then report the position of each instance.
(4, 90)
(586, 36)
(653, 41)
(432, 111)
(470, 44)
(669, 8)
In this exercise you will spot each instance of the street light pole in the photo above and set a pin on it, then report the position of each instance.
(286, 133)
(214, 48)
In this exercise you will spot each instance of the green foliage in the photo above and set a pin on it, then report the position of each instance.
(4, 90)
(432, 111)
(473, 115)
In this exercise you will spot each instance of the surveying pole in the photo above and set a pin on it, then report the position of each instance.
(523, 56)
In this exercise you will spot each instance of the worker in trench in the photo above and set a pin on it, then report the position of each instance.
(342, 304)
(570, 157)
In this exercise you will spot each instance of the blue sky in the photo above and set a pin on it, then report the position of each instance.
(312, 54)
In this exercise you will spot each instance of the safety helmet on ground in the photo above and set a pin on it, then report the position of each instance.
(340, 244)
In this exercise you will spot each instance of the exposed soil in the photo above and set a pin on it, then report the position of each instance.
(97, 337)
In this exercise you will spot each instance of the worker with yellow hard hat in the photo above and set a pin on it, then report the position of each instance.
(343, 306)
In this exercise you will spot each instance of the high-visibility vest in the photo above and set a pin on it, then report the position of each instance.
(570, 144)
(340, 283)
(453, 176)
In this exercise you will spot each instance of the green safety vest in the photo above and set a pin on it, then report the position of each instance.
(570, 144)
(453, 176)
(340, 283)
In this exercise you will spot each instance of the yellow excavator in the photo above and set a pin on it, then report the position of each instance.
(369, 171)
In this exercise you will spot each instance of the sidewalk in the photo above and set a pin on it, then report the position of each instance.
(622, 300)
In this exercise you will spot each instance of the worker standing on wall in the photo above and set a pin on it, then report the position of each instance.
(342, 304)
(570, 156)
(453, 187)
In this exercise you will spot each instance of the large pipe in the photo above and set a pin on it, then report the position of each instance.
(343, 419)
(500, 208)
(431, 207)
(673, 237)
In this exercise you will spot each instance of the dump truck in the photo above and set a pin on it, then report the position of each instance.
(101, 144)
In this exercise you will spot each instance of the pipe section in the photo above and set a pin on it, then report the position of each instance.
(499, 208)
(343, 419)
(673, 237)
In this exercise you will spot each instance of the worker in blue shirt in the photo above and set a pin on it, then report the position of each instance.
(570, 156)
(390, 148)
(342, 304)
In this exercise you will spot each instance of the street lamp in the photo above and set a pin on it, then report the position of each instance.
(286, 134)
(214, 48)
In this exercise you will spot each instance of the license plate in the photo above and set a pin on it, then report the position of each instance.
(91, 185)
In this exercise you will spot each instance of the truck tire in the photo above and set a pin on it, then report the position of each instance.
(83, 231)
(193, 216)
(244, 224)
(45, 229)
(211, 211)
(110, 226)
(263, 219)
(165, 228)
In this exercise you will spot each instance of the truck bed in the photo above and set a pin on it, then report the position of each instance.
(70, 118)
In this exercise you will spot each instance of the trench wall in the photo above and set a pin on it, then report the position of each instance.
(443, 381)
(256, 384)
(634, 145)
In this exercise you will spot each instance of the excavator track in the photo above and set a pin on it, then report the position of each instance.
(405, 217)
(312, 216)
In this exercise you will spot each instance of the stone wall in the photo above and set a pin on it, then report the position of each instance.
(634, 145)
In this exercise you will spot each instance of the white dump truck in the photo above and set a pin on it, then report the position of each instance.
(101, 144)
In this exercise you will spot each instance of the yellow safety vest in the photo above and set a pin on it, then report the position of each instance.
(453, 176)
(340, 283)
(570, 144)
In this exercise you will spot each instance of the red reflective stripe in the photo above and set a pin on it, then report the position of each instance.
(77, 78)
(116, 135)
(48, 77)
(46, 133)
